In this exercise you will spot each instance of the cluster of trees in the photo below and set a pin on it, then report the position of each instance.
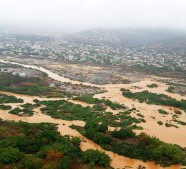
(9, 99)
(89, 99)
(27, 85)
(5, 107)
(128, 121)
(153, 98)
(69, 111)
(126, 142)
(26, 110)
(96, 157)
(36, 146)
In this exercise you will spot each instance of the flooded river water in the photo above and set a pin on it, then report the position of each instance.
(113, 93)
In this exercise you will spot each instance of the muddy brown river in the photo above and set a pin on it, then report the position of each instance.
(173, 135)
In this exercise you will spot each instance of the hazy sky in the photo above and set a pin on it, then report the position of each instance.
(85, 14)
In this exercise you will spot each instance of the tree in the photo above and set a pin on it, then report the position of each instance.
(54, 155)
(169, 154)
(32, 163)
(96, 157)
(103, 127)
(76, 140)
(9, 155)
(66, 162)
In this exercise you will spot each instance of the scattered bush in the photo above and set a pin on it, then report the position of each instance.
(160, 123)
(153, 85)
(162, 111)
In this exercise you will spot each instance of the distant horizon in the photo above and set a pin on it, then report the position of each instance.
(14, 28)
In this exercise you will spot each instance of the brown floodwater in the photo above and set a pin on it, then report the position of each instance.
(173, 135)
(63, 127)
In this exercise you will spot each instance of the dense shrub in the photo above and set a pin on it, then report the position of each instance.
(89, 99)
(103, 127)
(66, 162)
(96, 157)
(153, 98)
(32, 163)
(125, 142)
(5, 107)
(36, 146)
(9, 99)
(123, 133)
(9, 155)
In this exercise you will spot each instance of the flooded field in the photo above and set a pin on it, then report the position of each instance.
(63, 127)
(113, 93)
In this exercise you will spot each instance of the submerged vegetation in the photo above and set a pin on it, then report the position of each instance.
(5, 107)
(126, 142)
(69, 111)
(153, 85)
(9, 99)
(153, 98)
(24, 110)
(66, 110)
(89, 99)
(36, 146)
(162, 112)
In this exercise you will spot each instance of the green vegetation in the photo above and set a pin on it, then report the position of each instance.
(96, 157)
(126, 142)
(160, 123)
(180, 122)
(170, 125)
(40, 146)
(5, 107)
(151, 69)
(140, 115)
(177, 84)
(89, 99)
(25, 110)
(175, 116)
(178, 112)
(27, 85)
(123, 133)
(9, 99)
(10, 155)
(162, 111)
(153, 85)
(171, 89)
(153, 98)
(103, 127)
(69, 111)
(128, 121)
(66, 110)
